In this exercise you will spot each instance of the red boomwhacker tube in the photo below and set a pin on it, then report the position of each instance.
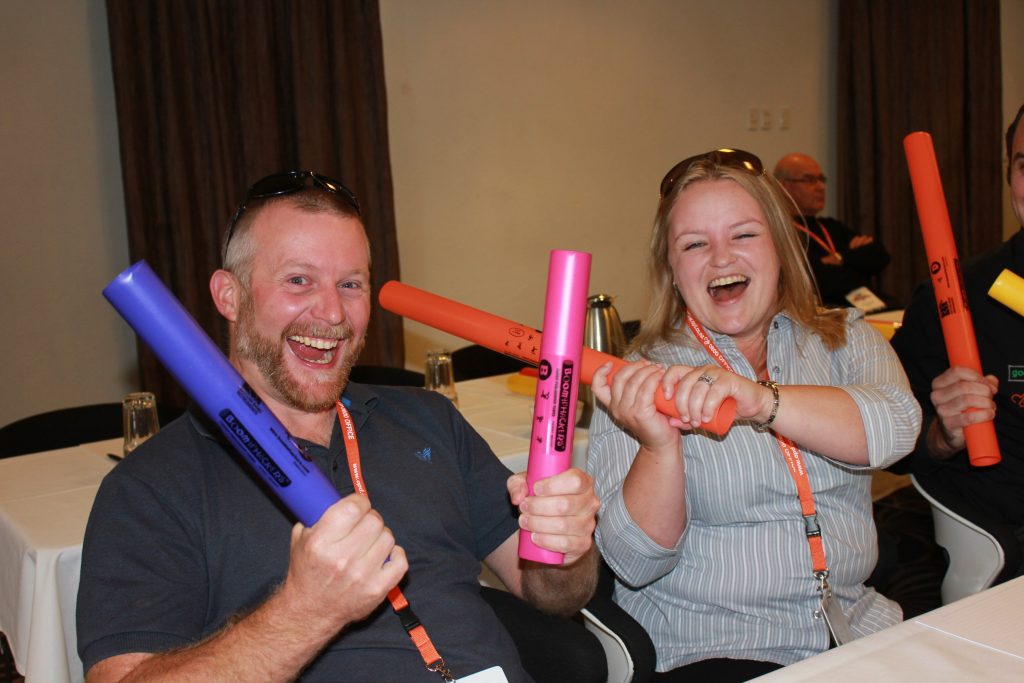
(513, 339)
(947, 281)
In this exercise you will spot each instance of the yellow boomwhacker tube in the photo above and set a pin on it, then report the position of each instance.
(1008, 289)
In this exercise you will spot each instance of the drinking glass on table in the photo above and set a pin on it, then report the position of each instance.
(138, 411)
(439, 376)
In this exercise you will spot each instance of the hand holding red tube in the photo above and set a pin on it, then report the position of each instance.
(950, 297)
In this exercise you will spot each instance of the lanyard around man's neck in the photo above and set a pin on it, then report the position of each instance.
(827, 244)
(794, 461)
(418, 634)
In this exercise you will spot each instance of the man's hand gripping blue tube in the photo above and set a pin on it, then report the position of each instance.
(201, 368)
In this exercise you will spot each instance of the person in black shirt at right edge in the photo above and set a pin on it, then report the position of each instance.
(844, 261)
(992, 497)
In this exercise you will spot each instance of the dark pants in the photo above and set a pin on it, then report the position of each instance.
(717, 670)
(553, 650)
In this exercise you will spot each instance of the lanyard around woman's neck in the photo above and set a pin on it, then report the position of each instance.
(418, 634)
(794, 461)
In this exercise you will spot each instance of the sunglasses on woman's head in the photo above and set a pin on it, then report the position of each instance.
(288, 182)
(808, 179)
(733, 158)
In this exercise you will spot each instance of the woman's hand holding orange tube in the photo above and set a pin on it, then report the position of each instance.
(634, 400)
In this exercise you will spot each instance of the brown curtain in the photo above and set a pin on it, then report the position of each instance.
(213, 95)
(919, 65)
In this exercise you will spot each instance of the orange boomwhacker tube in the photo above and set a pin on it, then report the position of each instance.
(512, 339)
(947, 281)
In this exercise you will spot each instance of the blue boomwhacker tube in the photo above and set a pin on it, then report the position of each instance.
(201, 368)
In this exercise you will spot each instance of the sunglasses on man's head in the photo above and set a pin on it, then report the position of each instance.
(733, 158)
(288, 182)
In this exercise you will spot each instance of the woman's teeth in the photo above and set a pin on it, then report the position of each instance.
(728, 287)
(727, 280)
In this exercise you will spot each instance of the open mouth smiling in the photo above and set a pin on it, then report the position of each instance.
(313, 349)
(727, 287)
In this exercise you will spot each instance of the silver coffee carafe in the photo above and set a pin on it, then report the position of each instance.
(602, 332)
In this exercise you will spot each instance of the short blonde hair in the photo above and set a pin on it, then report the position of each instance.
(798, 294)
(238, 250)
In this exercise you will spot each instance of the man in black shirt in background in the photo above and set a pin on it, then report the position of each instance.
(843, 260)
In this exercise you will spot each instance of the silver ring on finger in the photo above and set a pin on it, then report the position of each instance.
(706, 378)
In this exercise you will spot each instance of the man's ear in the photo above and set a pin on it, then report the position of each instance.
(227, 292)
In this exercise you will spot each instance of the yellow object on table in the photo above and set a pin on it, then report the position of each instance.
(523, 384)
(886, 322)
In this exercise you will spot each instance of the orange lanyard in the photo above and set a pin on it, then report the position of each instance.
(410, 623)
(827, 244)
(794, 461)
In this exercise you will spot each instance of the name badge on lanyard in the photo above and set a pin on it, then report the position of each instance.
(492, 675)
(838, 624)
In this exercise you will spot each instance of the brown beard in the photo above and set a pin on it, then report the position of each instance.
(267, 355)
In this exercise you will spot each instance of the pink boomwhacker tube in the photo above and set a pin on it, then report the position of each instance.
(947, 281)
(558, 380)
(514, 339)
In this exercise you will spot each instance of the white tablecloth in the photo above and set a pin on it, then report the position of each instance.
(45, 499)
(979, 638)
(503, 419)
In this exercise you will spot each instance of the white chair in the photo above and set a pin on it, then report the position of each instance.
(620, 661)
(975, 556)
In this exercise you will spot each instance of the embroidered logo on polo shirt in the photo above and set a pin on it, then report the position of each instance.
(424, 454)
(1015, 373)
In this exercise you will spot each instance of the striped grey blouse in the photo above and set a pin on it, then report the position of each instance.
(739, 582)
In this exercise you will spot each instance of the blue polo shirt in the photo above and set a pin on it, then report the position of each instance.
(183, 536)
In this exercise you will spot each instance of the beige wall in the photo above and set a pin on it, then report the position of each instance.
(521, 127)
(63, 227)
(517, 126)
